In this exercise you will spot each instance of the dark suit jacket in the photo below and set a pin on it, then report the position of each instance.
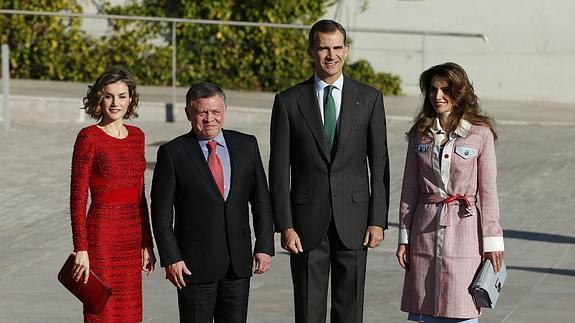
(210, 233)
(309, 183)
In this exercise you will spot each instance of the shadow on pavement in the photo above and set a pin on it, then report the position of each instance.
(537, 236)
(554, 271)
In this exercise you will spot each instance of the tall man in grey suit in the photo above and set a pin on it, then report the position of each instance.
(329, 180)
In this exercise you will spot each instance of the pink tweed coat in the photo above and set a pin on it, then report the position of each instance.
(439, 219)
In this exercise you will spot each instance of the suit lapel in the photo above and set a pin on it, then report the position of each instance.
(348, 114)
(192, 148)
(309, 109)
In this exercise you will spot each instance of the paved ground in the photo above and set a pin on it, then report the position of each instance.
(536, 158)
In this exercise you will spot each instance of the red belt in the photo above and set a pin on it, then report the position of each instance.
(448, 209)
(120, 196)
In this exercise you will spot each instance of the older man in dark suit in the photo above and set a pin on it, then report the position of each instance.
(329, 180)
(210, 177)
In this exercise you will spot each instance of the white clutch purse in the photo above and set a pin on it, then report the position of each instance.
(488, 284)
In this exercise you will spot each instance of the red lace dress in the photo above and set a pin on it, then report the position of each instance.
(116, 226)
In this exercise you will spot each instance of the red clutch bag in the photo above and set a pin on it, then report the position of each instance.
(94, 294)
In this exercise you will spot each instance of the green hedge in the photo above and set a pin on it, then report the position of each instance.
(244, 58)
(361, 70)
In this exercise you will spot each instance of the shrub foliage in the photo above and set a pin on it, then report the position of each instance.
(246, 58)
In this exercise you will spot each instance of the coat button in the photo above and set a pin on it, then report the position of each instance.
(446, 156)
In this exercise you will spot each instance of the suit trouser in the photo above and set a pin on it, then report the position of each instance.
(310, 275)
(223, 301)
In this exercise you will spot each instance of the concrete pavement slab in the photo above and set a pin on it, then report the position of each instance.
(536, 179)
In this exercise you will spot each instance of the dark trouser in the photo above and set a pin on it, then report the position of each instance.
(223, 301)
(310, 275)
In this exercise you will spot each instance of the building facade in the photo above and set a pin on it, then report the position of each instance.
(529, 55)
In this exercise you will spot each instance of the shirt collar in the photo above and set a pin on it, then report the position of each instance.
(462, 129)
(320, 84)
(219, 139)
(436, 127)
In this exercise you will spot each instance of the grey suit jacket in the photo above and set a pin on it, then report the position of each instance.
(309, 183)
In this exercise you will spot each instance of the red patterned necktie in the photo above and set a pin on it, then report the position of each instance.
(215, 165)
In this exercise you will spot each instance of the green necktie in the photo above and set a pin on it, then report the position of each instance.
(329, 118)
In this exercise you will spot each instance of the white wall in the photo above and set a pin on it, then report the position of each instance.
(96, 27)
(530, 54)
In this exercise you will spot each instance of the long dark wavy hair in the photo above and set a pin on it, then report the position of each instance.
(465, 102)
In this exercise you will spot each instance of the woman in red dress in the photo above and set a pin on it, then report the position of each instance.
(113, 238)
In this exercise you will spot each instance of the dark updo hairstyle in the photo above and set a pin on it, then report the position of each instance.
(95, 94)
(465, 102)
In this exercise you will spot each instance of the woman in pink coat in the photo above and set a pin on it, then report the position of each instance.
(450, 166)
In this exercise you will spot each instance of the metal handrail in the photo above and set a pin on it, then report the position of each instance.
(242, 23)
(174, 21)
(6, 86)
